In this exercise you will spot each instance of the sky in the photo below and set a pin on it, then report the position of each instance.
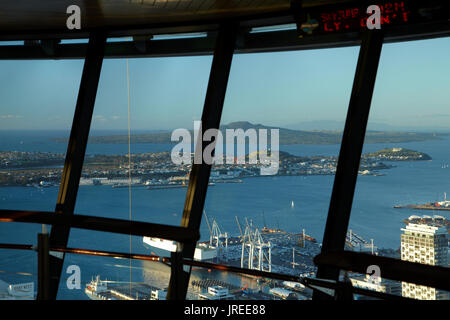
(297, 89)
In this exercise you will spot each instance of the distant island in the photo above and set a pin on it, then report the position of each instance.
(398, 154)
(287, 136)
(156, 170)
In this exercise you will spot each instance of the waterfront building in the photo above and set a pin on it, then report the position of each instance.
(216, 293)
(426, 244)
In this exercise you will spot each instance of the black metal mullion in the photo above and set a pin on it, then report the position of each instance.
(43, 266)
(350, 152)
(138, 228)
(199, 177)
(76, 151)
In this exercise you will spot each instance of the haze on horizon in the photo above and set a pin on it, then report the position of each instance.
(303, 90)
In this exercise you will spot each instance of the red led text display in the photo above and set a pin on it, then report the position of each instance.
(353, 18)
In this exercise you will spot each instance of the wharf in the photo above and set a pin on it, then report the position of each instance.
(428, 206)
(122, 292)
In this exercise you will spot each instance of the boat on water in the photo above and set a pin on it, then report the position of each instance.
(170, 186)
(203, 251)
(120, 185)
(165, 186)
(225, 181)
(98, 289)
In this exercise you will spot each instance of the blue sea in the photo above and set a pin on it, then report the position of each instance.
(263, 200)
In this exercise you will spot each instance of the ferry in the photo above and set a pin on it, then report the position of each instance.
(203, 251)
(98, 289)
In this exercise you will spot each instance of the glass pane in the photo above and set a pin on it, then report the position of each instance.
(207, 284)
(393, 287)
(18, 274)
(39, 99)
(165, 94)
(20, 233)
(38, 103)
(401, 207)
(275, 222)
(107, 278)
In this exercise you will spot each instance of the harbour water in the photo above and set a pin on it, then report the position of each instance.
(263, 200)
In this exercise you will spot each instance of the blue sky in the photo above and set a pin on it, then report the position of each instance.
(280, 89)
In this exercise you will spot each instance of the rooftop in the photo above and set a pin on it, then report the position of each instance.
(431, 229)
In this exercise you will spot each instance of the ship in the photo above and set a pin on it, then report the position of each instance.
(203, 251)
(437, 205)
(120, 185)
(98, 289)
(170, 186)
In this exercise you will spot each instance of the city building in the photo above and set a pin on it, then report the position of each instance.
(426, 244)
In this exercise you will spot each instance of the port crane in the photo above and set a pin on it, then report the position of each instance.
(218, 239)
(239, 226)
(217, 236)
(255, 249)
(293, 259)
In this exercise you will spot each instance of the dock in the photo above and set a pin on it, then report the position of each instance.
(428, 206)
(123, 292)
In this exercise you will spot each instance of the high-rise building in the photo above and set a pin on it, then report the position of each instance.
(426, 244)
